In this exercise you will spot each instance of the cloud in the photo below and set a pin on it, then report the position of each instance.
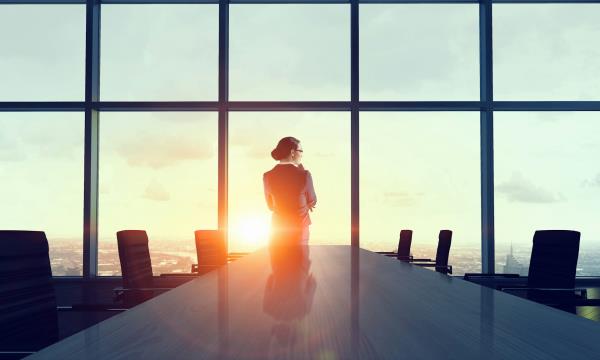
(156, 192)
(159, 152)
(595, 182)
(519, 189)
(401, 198)
(253, 148)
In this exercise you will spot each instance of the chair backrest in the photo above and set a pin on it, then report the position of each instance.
(28, 317)
(554, 259)
(136, 267)
(443, 248)
(210, 248)
(404, 243)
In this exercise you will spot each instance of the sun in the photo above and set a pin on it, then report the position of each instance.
(253, 230)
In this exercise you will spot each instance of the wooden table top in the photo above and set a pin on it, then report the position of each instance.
(332, 303)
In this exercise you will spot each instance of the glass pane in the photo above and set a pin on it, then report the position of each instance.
(546, 52)
(289, 52)
(41, 58)
(159, 52)
(326, 155)
(41, 172)
(546, 177)
(419, 52)
(158, 172)
(420, 171)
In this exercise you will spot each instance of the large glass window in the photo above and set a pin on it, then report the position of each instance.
(546, 52)
(419, 52)
(41, 177)
(325, 138)
(158, 172)
(159, 52)
(546, 177)
(289, 52)
(420, 171)
(42, 52)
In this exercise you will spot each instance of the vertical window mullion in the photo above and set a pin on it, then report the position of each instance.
(486, 137)
(354, 124)
(223, 117)
(92, 88)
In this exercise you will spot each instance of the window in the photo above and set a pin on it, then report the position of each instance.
(325, 139)
(546, 178)
(419, 52)
(546, 52)
(420, 171)
(42, 52)
(289, 52)
(158, 172)
(41, 171)
(159, 52)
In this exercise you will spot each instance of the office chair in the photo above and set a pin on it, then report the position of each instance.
(404, 242)
(29, 319)
(403, 251)
(210, 251)
(28, 307)
(136, 269)
(551, 277)
(440, 263)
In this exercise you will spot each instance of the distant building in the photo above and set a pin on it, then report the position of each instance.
(513, 266)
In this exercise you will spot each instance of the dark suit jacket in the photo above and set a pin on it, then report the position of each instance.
(290, 194)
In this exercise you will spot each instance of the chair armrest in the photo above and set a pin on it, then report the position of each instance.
(121, 289)
(180, 275)
(119, 292)
(89, 307)
(203, 269)
(478, 275)
(586, 302)
(550, 296)
(10, 355)
(447, 268)
(583, 291)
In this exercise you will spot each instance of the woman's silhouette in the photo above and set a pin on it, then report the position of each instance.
(290, 194)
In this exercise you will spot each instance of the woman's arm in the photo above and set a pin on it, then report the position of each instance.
(268, 196)
(311, 196)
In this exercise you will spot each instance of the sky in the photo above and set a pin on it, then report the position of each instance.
(158, 171)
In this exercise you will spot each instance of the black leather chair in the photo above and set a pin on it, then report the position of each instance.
(404, 243)
(136, 269)
(551, 276)
(28, 312)
(403, 251)
(28, 307)
(440, 263)
(210, 250)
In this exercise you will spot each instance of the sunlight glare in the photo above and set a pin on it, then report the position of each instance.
(253, 230)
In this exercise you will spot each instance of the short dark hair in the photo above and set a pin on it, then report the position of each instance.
(284, 146)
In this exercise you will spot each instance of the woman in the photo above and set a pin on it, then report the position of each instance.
(290, 194)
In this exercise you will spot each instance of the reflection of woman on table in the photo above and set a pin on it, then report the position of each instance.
(290, 194)
(289, 291)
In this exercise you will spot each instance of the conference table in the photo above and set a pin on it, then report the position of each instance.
(332, 302)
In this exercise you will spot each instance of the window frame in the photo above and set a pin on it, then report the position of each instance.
(486, 106)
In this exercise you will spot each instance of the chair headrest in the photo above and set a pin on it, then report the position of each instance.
(132, 237)
(22, 243)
